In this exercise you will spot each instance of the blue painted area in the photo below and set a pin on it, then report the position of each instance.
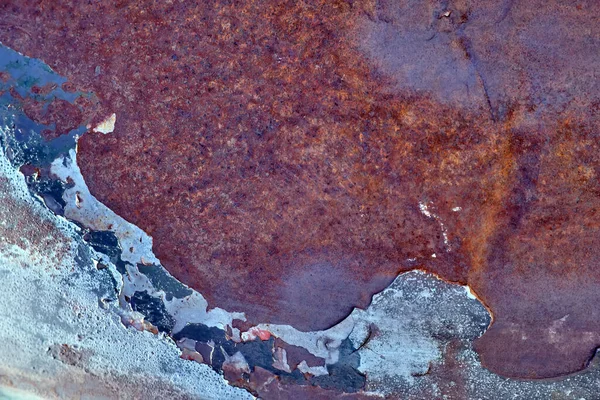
(25, 73)
(20, 134)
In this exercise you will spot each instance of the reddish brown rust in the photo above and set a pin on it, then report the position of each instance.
(64, 115)
(295, 355)
(291, 158)
(268, 386)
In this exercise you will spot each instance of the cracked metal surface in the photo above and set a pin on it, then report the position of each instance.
(290, 159)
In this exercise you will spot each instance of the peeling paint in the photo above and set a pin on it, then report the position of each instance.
(108, 125)
(462, 138)
(57, 305)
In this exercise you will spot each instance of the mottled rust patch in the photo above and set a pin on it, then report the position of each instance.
(290, 158)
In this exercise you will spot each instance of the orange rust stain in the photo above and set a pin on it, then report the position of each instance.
(501, 181)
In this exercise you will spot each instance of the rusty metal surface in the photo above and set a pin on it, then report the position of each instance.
(60, 337)
(290, 159)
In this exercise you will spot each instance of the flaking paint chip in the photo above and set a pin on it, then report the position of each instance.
(108, 125)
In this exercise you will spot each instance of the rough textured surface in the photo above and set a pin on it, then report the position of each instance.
(289, 159)
(55, 339)
(408, 327)
(62, 333)
(413, 342)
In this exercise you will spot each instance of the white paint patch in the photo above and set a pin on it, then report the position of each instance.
(108, 125)
(470, 293)
(396, 335)
(397, 349)
(324, 344)
(135, 281)
(236, 362)
(193, 309)
(315, 371)
(280, 357)
(425, 210)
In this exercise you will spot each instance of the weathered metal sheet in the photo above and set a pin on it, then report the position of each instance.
(287, 160)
